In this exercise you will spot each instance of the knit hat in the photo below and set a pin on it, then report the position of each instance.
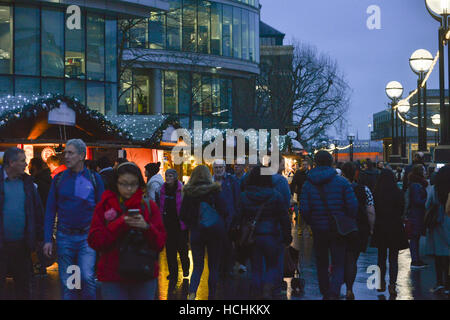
(172, 172)
(152, 168)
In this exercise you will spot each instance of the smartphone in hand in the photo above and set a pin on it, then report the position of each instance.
(133, 212)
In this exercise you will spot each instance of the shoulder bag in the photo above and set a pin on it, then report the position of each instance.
(247, 229)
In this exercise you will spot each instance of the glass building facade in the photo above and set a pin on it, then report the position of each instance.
(204, 27)
(39, 54)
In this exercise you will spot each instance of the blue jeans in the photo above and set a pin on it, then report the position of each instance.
(129, 291)
(324, 244)
(266, 255)
(414, 244)
(74, 250)
(213, 243)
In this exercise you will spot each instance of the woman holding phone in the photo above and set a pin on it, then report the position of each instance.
(120, 210)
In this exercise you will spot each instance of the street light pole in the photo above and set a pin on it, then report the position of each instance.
(350, 140)
(394, 91)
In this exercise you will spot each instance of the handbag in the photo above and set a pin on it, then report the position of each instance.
(136, 259)
(208, 217)
(345, 226)
(247, 229)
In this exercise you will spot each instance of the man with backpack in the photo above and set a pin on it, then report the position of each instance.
(325, 199)
(73, 194)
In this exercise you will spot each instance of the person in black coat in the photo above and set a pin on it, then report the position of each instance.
(389, 232)
(106, 171)
(41, 177)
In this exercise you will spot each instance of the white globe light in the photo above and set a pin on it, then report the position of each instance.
(394, 90)
(403, 106)
(436, 119)
(332, 146)
(438, 7)
(421, 61)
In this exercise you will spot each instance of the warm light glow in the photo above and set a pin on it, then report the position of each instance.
(394, 90)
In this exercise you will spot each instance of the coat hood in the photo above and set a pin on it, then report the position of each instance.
(157, 178)
(254, 197)
(321, 175)
(200, 190)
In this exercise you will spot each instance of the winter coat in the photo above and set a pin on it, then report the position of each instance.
(192, 196)
(369, 178)
(416, 211)
(178, 201)
(106, 233)
(362, 219)
(341, 199)
(389, 231)
(281, 184)
(107, 175)
(231, 192)
(298, 181)
(274, 219)
(34, 212)
(43, 180)
(154, 186)
(438, 239)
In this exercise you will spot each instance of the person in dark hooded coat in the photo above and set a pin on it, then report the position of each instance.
(272, 231)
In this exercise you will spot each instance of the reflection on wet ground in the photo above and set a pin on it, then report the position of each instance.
(411, 285)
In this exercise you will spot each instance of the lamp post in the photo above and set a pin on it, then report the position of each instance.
(336, 151)
(394, 91)
(436, 119)
(420, 63)
(351, 138)
(439, 10)
(403, 108)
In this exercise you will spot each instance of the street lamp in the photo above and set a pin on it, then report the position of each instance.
(436, 119)
(394, 91)
(439, 10)
(420, 62)
(336, 151)
(403, 107)
(351, 137)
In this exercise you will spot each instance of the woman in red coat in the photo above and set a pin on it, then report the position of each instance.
(111, 223)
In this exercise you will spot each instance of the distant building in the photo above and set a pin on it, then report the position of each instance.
(362, 149)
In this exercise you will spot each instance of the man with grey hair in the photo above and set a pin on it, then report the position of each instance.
(21, 220)
(73, 194)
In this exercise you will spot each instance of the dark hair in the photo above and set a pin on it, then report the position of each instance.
(104, 162)
(442, 183)
(125, 168)
(386, 186)
(369, 164)
(323, 158)
(11, 155)
(152, 168)
(255, 178)
(54, 160)
(38, 164)
(348, 171)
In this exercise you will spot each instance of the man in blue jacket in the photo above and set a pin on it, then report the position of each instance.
(339, 199)
(73, 194)
(21, 220)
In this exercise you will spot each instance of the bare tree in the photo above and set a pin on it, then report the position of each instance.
(306, 93)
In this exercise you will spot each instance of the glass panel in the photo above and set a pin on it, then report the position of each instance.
(111, 50)
(196, 94)
(27, 86)
(227, 28)
(245, 36)
(111, 99)
(139, 35)
(95, 47)
(204, 17)
(189, 25)
(206, 96)
(157, 30)
(26, 41)
(251, 50)
(75, 59)
(184, 92)
(6, 87)
(53, 86)
(215, 96)
(141, 94)
(170, 92)
(216, 28)
(237, 39)
(76, 89)
(5, 39)
(257, 38)
(174, 25)
(52, 43)
(126, 90)
(96, 96)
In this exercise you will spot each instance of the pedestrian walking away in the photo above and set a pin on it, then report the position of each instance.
(202, 197)
(73, 194)
(338, 200)
(112, 225)
(177, 233)
(389, 232)
(21, 223)
(154, 181)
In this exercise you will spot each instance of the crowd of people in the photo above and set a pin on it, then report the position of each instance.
(111, 223)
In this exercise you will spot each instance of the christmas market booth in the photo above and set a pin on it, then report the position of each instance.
(42, 124)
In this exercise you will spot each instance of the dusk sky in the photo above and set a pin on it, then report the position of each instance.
(369, 59)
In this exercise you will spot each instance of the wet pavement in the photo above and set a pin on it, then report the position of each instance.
(411, 285)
